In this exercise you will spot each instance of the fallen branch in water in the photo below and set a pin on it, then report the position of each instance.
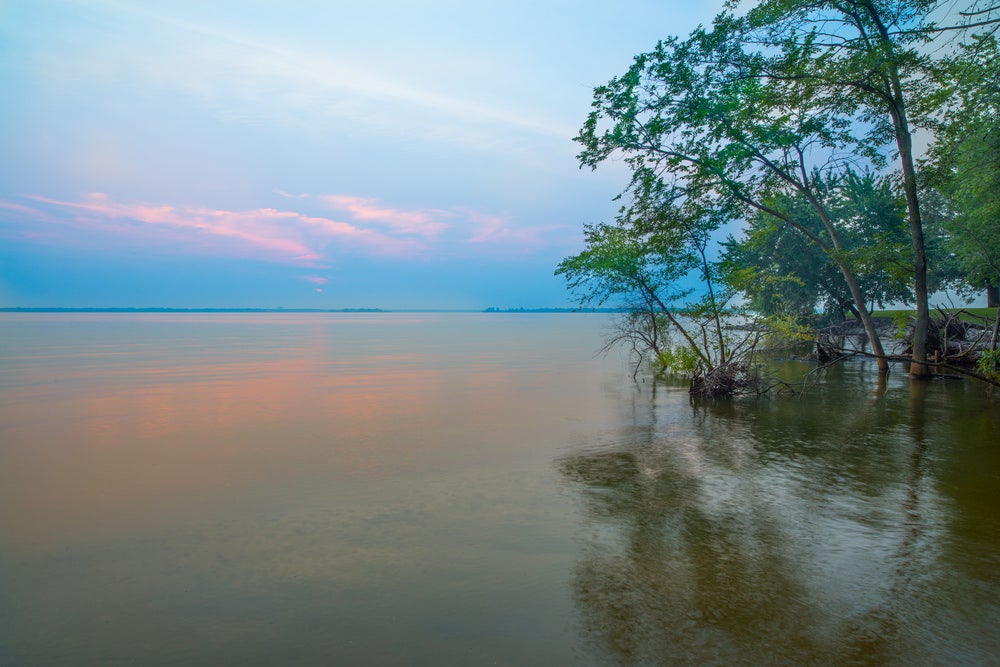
(944, 365)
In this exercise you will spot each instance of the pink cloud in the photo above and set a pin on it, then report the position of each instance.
(289, 195)
(17, 208)
(499, 229)
(425, 223)
(316, 280)
(273, 234)
(481, 228)
(276, 235)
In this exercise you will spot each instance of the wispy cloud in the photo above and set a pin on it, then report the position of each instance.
(16, 208)
(249, 78)
(267, 233)
(501, 230)
(460, 226)
(293, 235)
(289, 195)
(318, 281)
(427, 223)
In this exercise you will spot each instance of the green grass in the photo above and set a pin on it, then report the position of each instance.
(968, 314)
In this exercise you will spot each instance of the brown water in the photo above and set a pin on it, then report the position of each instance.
(472, 489)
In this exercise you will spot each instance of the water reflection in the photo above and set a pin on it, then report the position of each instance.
(104, 419)
(293, 489)
(811, 531)
(381, 490)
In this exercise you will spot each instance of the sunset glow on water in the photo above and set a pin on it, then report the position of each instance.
(462, 488)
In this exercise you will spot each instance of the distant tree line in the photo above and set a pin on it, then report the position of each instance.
(795, 121)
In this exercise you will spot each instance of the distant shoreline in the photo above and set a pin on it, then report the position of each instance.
(191, 310)
(305, 310)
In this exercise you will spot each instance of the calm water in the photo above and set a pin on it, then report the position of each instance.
(427, 489)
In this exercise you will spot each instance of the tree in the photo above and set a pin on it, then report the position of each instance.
(711, 117)
(860, 57)
(751, 108)
(963, 163)
(867, 55)
(644, 260)
(781, 272)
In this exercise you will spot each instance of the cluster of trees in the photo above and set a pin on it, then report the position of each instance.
(796, 120)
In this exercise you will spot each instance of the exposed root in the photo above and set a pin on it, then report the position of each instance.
(728, 379)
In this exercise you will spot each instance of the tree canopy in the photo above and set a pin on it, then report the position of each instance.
(963, 163)
(796, 118)
(781, 272)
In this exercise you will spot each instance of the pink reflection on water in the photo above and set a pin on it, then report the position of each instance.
(145, 440)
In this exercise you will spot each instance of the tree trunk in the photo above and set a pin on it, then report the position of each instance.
(996, 331)
(992, 295)
(865, 316)
(854, 311)
(904, 143)
(847, 271)
(922, 323)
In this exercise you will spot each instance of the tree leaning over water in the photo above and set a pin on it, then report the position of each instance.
(857, 59)
(642, 260)
(759, 110)
(705, 114)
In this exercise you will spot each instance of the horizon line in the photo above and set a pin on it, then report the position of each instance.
(280, 309)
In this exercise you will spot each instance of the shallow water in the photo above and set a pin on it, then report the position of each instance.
(472, 488)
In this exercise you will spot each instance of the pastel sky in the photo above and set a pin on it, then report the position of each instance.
(318, 154)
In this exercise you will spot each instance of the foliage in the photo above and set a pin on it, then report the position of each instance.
(901, 323)
(989, 361)
(657, 244)
(864, 58)
(782, 331)
(972, 315)
(677, 359)
(715, 118)
(781, 272)
(781, 118)
(963, 165)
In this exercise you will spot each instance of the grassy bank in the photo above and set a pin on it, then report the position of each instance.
(976, 315)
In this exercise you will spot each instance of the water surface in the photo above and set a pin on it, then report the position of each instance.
(472, 489)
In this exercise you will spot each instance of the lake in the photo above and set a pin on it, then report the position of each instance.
(463, 488)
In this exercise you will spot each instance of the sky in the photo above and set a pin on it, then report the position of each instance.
(306, 154)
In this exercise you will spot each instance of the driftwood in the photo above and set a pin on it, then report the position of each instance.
(953, 340)
(950, 338)
(955, 346)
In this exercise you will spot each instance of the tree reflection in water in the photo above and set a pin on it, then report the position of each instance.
(806, 531)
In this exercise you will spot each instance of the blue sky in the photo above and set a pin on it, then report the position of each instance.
(305, 154)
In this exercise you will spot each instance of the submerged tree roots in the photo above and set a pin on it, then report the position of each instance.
(728, 380)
